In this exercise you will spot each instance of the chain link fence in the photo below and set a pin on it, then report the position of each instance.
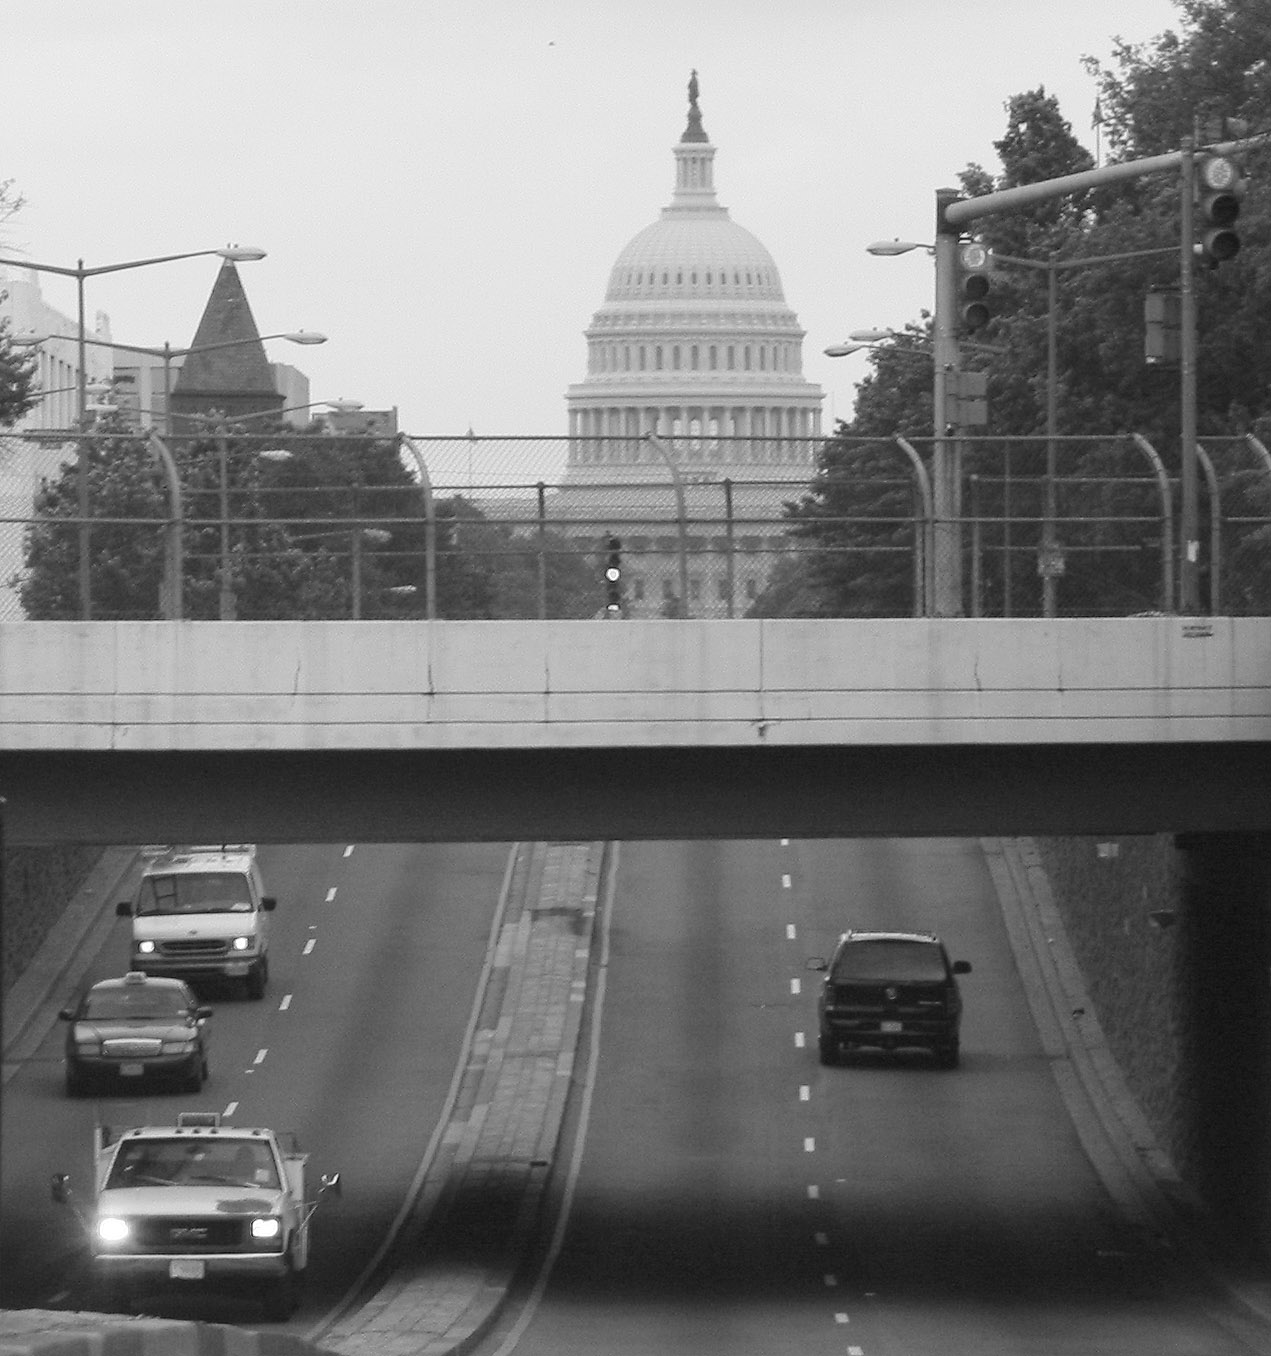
(297, 525)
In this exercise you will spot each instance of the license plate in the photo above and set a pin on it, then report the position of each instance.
(186, 1269)
(236, 969)
(132, 1070)
(891, 1028)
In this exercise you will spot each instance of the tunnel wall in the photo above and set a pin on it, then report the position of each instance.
(1173, 936)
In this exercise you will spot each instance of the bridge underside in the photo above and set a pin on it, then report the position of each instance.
(658, 793)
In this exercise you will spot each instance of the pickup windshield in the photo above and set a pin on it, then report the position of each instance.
(214, 892)
(191, 1162)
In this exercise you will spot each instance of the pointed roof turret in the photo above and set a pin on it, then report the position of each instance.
(227, 369)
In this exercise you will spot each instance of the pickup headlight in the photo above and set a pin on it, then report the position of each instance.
(113, 1229)
(267, 1226)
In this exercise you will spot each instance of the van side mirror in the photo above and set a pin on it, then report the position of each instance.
(60, 1187)
(66, 1015)
(123, 909)
(961, 967)
(268, 903)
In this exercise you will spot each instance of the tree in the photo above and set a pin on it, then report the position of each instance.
(17, 367)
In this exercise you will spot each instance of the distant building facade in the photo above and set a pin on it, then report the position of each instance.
(694, 344)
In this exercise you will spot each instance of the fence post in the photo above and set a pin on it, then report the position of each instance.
(542, 551)
(1167, 521)
(681, 510)
(730, 563)
(1215, 528)
(924, 539)
(172, 584)
(430, 528)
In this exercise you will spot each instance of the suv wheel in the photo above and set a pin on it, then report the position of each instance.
(948, 1055)
(828, 1050)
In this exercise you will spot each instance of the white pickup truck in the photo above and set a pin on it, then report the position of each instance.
(198, 1205)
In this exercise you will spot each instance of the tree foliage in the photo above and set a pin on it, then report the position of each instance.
(17, 366)
(1150, 97)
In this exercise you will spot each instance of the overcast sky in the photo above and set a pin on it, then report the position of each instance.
(443, 185)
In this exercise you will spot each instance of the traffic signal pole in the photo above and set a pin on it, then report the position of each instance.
(953, 215)
(947, 600)
(1189, 510)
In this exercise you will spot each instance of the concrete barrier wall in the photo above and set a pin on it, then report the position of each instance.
(523, 685)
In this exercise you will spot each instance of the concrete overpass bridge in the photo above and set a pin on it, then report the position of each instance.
(471, 730)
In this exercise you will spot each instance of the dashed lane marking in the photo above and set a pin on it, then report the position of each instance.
(285, 1004)
(348, 851)
(804, 1092)
(331, 894)
(309, 945)
(260, 1055)
(230, 1108)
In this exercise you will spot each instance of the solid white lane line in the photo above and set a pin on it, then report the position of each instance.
(285, 1004)
(331, 893)
(230, 1108)
(309, 945)
(804, 1092)
(348, 851)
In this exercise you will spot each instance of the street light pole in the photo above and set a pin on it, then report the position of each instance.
(80, 273)
(947, 359)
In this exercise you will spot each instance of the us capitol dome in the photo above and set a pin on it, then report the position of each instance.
(694, 343)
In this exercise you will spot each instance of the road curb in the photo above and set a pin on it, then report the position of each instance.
(43, 1332)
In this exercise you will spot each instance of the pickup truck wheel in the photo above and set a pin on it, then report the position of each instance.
(281, 1298)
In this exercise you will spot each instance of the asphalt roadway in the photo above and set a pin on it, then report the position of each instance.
(473, 1220)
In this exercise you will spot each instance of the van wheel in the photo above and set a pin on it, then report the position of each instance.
(257, 979)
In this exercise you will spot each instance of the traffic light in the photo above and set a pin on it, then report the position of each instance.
(1219, 188)
(975, 264)
(613, 576)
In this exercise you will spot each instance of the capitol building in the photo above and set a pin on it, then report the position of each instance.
(695, 345)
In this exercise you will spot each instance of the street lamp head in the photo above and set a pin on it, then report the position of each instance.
(305, 337)
(238, 254)
(871, 336)
(887, 248)
(842, 350)
(343, 406)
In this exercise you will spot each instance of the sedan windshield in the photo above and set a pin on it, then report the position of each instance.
(213, 892)
(890, 960)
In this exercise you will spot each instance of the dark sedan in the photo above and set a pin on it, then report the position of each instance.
(135, 1030)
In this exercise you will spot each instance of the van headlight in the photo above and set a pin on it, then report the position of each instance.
(113, 1229)
(146, 948)
(266, 1226)
(242, 943)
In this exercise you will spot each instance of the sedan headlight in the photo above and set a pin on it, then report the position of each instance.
(266, 1226)
(113, 1229)
(178, 1047)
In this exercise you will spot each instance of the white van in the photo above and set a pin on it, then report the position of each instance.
(202, 912)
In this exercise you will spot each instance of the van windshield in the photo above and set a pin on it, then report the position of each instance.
(211, 892)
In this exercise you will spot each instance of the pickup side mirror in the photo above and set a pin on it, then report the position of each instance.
(268, 903)
(817, 963)
(330, 1185)
(60, 1187)
(961, 967)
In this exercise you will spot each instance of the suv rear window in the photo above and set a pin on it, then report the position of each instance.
(886, 959)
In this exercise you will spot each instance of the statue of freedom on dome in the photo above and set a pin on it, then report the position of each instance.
(692, 89)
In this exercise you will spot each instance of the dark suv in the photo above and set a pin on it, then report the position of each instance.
(890, 990)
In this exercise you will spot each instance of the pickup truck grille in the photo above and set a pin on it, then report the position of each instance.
(193, 1234)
